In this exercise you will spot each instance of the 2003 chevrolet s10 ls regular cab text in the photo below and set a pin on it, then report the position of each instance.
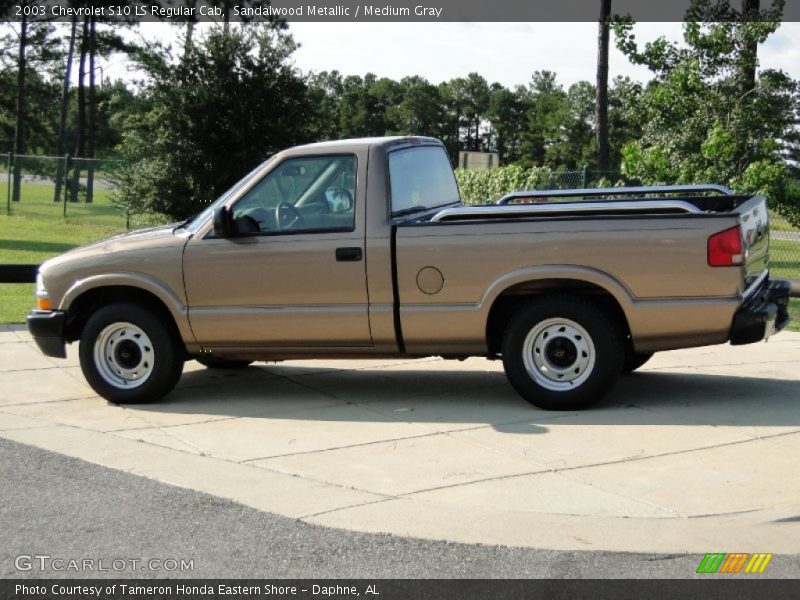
(362, 248)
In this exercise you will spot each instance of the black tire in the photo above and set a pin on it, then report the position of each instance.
(214, 362)
(164, 370)
(598, 369)
(634, 360)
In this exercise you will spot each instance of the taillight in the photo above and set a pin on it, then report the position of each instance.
(725, 248)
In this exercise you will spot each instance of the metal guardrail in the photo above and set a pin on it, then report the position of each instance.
(18, 273)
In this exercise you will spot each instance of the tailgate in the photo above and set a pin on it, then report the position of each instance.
(754, 221)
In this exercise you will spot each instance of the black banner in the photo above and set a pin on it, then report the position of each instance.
(728, 588)
(176, 11)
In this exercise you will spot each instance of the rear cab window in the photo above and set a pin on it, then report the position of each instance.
(421, 178)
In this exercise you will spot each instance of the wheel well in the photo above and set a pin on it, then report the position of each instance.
(88, 302)
(510, 301)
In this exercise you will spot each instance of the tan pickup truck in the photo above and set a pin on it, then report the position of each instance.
(362, 248)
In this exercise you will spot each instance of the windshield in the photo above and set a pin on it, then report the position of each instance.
(195, 222)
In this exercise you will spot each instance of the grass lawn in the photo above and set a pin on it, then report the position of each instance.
(36, 202)
(36, 230)
(784, 258)
(785, 262)
(778, 223)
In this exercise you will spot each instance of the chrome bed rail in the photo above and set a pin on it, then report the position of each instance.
(617, 191)
(643, 206)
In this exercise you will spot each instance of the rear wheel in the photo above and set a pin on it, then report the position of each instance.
(634, 360)
(214, 362)
(562, 352)
(128, 355)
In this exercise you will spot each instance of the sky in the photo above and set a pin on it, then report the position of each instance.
(504, 52)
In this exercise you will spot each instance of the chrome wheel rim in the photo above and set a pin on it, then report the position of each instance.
(558, 354)
(124, 356)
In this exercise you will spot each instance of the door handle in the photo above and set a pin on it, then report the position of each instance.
(353, 254)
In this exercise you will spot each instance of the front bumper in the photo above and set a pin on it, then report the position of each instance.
(47, 329)
(763, 314)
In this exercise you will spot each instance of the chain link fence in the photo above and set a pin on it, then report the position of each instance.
(58, 187)
(784, 257)
(585, 178)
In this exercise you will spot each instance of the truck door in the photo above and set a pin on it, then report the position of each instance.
(294, 275)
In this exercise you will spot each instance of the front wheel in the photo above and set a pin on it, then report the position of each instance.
(562, 352)
(128, 355)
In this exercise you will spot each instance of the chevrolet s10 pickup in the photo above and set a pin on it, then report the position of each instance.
(362, 248)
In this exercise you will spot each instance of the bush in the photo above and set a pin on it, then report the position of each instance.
(149, 220)
(137, 187)
(789, 208)
(485, 187)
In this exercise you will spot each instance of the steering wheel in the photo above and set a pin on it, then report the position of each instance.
(287, 216)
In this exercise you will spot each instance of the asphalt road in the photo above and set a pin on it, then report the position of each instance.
(70, 509)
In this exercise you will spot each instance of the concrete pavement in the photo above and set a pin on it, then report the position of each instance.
(697, 452)
(65, 508)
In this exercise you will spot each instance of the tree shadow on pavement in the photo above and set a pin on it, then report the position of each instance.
(476, 397)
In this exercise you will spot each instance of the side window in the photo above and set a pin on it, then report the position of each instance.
(421, 177)
(314, 193)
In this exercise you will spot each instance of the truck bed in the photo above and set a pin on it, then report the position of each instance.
(621, 241)
(634, 202)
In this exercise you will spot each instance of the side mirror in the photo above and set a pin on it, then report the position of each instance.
(223, 222)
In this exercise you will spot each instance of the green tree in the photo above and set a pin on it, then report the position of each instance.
(419, 111)
(698, 127)
(364, 105)
(548, 114)
(625, 120)
(233, 100)
(506, 115)
(450, 126)
(64, 105)
(35, 48)
(470, 99)
(94, 42)
(580, 144)
(325, 91)
(382, 94)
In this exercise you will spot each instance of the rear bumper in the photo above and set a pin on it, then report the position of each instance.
(763, 314)
(47, 329)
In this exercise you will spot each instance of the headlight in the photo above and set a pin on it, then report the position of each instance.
(42, 300)
(41, 292)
